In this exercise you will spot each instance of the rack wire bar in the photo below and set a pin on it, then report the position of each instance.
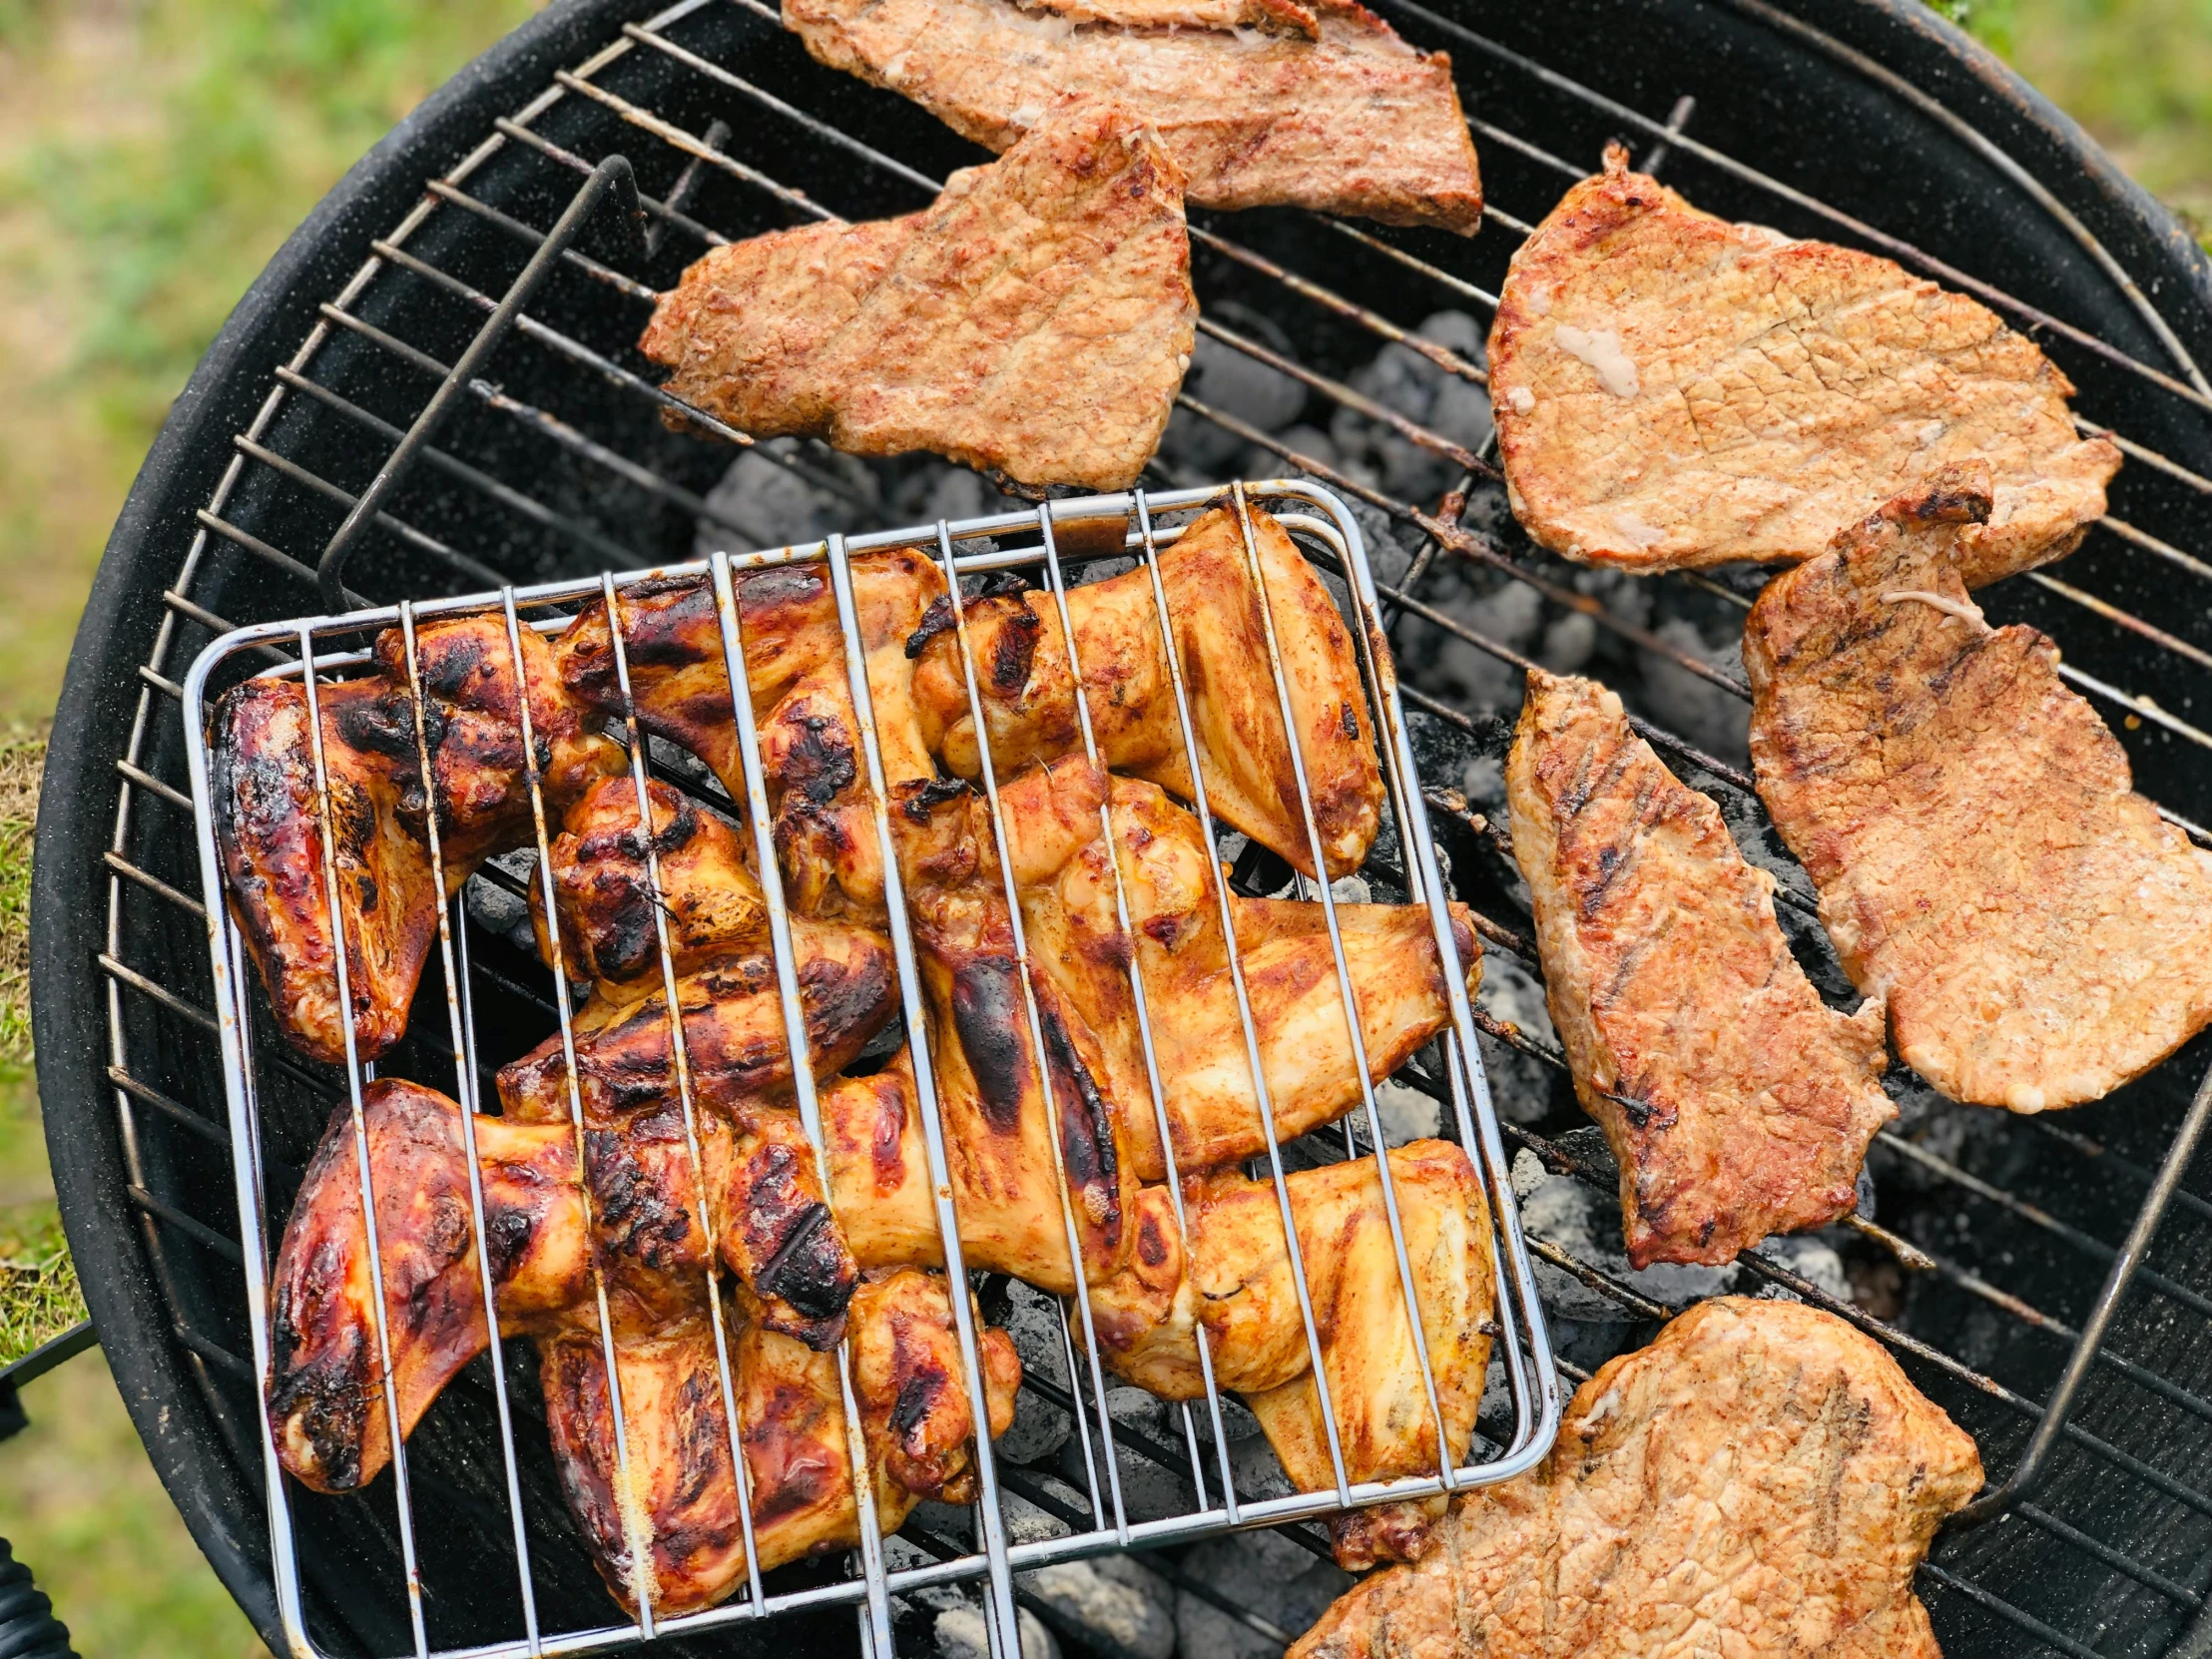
(966, 548)
(140, 1004)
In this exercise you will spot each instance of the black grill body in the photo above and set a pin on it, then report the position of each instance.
(2127, 1564)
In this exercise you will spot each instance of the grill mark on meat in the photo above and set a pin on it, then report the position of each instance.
(821, 765)
(1015, 650)
(1086, 1132)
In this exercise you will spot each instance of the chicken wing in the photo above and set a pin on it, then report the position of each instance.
(1736, 1103)
(1761, 1481)
(1237, 1287)
(998, 1115)
(1075, 939)
(795, 663)
(2037, 933)
(1018, 657)
(270, 835)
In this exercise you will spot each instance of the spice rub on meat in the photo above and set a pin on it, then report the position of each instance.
(1736, 1103)
(1036, 319)
(1340, 116)
(1761, 1481)
(2039, 932)
(1675, 390)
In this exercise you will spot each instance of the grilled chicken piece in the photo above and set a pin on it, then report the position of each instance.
(1736, 1103)
(1018, 657)
(270, 836)
(2037, 933)
(1068, 907)
(1036, 319)
(998, 1114)
(1234, 1282)
(794, 660)
(1761, 1481)
(603, 890)
(1675, 390)
(325, 1395)
(913, 1414)
(1351, 121)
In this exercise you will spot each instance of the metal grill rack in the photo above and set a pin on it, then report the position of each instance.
(1992, 1349)
(1138, 526)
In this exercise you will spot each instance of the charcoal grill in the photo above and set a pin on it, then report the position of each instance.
(2067, 1320)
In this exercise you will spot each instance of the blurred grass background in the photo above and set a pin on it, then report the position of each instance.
(153, 154)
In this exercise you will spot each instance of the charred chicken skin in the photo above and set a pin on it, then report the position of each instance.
(1018, 660)
(680, 1542)
(270, 834)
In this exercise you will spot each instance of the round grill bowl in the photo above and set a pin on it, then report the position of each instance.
(1865, 105)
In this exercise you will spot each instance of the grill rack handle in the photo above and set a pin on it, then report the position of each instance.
(612, 174)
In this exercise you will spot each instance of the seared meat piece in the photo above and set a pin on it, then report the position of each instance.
(1233, 1281)
(270, 836)
(1352, 121)
(1035, 320)
(2037, 931)
(1286, 16)
(1198, 1033)
(1736, 1103)
(1761, 1481)
(816, 771)
(325, 1393)
(1019, 657)
(998, 1118)
(1675, 390)
(603, 890)
(914, 1413)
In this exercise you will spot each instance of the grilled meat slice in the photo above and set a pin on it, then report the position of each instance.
(1283, 16)
(2037, 931)
(794, 661)
(1736, 1103)
(270, 833)
(603, 890)
(1675, 390)
(326, 1389)
(1233, 1281)
(1761, 1481)
(998, 1113)
(1018, 658)
(1067, 875)
(680, 1539)
(1035, 320)
(1352, 121)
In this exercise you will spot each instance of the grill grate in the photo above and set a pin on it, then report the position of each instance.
(401, 320)
(970, 547)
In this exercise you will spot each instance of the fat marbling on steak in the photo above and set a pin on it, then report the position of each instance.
(1735, 1101)
(1762, 1481)
(1036, 319)
(1676, 390)
(2039, 934)
(1352, 121)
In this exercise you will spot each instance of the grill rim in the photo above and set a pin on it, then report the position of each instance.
(96, 716)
